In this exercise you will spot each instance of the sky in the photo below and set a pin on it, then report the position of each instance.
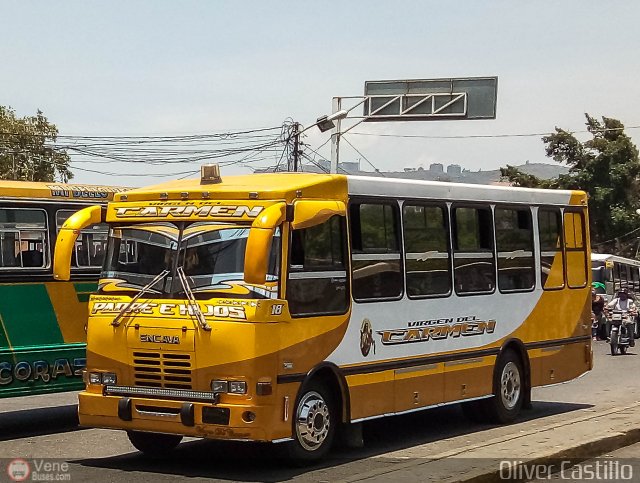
(161, 68)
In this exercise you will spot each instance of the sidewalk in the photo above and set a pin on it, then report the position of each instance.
(586, 436)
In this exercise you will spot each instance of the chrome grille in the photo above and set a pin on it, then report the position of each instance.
(162, 369)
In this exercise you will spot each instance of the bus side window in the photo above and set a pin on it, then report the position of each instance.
(473, 258)
(551, 255)
(23, 238)
(317, 270)
(575, 249)
(514, 242)
(376, 262)
(426, 246)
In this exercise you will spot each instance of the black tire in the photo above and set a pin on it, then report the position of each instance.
(509, 388)
(154, 445)
(614, 349)
(622, 349)
(315, 420)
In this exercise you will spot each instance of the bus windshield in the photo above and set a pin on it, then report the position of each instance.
(210, 253)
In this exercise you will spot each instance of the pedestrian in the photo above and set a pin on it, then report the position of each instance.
(599, 328)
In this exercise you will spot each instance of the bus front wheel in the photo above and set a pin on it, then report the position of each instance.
(153, 444)
(314, 424)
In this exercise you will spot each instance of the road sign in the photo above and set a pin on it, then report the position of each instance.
(430, 99)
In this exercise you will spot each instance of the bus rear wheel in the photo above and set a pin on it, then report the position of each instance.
(509, 390)
(154, 445)
(314, 424)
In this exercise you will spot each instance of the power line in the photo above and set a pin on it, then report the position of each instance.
(482, 136)
(365, 158)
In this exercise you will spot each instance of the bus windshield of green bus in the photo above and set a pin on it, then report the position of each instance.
(210, 253)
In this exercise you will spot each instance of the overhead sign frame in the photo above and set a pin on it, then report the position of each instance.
(430, 99)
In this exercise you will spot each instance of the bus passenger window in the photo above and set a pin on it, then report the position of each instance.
(473, 257)
(551, 258)
(23, 238)
(575, 249)
(376, 264)
(514, 243)
(426, 247)
(317, 271)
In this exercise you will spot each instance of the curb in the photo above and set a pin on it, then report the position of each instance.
(577, 454)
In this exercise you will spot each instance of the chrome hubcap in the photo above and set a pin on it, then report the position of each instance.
(312, 421)
(510, 385)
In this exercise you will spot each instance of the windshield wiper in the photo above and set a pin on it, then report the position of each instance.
(143, 290)
(192, 300)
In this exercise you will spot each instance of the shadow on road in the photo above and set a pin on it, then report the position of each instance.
(36, 422)
(266, 462)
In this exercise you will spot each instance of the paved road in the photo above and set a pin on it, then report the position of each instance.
(27, 430)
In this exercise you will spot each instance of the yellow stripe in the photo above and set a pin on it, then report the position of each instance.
(4, 329)
(70, 313)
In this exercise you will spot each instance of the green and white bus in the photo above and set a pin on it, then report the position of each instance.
(42, 321)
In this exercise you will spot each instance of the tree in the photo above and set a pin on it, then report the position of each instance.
(607, 168)
(27, 152)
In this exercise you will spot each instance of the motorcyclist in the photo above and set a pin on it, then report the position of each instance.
(623, 303)
(598, 302)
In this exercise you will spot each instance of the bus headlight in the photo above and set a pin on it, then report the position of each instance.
(219, 386)
(237, 387)
(95, 378)
(229, 387)
(106, 378)
(109, 379)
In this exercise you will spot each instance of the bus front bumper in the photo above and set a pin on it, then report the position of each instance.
(197, 419)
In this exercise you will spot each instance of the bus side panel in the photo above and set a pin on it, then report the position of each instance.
(42, 341)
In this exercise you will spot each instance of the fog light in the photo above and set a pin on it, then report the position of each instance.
(237, 387)
(95, 378)
(219, 386)
(109, 378)
(248, 416)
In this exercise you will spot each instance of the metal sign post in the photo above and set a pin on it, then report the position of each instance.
(419, 100)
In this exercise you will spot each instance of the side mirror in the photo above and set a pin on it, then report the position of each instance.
(308, 213)
(256, 257)
(67, 236)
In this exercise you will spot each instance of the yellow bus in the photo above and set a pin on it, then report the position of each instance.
(286, 307)
(42, 322)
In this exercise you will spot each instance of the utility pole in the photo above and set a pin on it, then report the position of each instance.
(296, 144)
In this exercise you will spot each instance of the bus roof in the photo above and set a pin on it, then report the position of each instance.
(57, 191)
(607, 257)
(288, 186)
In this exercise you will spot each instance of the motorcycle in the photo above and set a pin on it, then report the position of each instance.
(622, 329)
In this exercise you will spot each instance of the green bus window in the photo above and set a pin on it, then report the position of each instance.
(514, 243)
(376, 262)
(23, 238)
(551, 255)
(426, 247)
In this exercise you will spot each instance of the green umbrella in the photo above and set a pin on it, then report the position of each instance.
(599, 285)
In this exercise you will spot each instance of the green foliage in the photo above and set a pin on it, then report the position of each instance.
(26, 151)
(607, 168)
